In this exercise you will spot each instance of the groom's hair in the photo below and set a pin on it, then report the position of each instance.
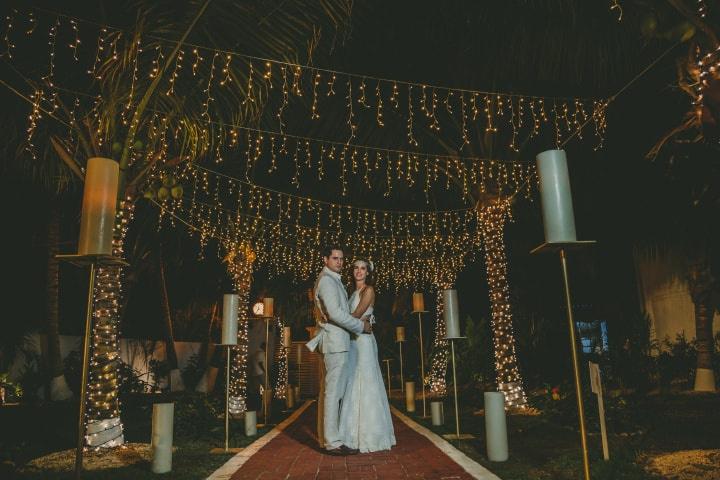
(328, 249)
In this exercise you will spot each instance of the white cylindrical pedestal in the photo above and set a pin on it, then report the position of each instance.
(231, 305)
(496, 427)
(410, 396)
(556, 199)
(437, 412)
(250, 423)
(162, 437)
(704, 380)
(451, 314)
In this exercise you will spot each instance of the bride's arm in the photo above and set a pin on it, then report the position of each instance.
(367, 298)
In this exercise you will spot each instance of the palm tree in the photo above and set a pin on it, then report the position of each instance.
(689, 151)
(59, 389)
(131, 106)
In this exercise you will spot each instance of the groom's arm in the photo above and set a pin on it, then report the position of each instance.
(336, 311)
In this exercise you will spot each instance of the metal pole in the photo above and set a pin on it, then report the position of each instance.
(422, 364)
(576, 367)
(387, 362)
(84, 380)
(402, 378)
(227, 399)
(457, 415)
(267, 370)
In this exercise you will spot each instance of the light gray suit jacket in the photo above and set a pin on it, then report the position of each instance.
(332, 300)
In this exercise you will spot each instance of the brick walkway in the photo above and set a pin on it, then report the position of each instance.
(294, 455)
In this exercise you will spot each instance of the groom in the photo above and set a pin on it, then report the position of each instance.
(333, 341)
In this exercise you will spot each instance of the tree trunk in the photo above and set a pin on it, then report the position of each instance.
(701, 285)
(206, 352)
(176, 382)
(240, 268)
(104, 428)
(59, 389)
(509, 381)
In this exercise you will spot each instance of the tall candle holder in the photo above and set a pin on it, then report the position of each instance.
(231, 310)
(400, 339)
(94, 250)
(267, 316)
(452, 329)
(422, 355)
(560, 236)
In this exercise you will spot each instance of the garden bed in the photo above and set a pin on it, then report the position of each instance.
(650, 437)
(39, 440)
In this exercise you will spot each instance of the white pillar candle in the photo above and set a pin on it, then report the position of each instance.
(231, 303)
(250, 423)
(162, 437)
(451, 314)
(287, 337)
(268, 307)
(436, 411)
(399, 334)
(496, 427)
(556, 198)
(410, 396)
(98, 207)
(418, 302)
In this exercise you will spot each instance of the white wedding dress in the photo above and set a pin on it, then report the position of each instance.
(365, 421)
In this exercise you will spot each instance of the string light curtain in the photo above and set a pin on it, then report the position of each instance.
(286, 89)
(379, 170)
(411, 248)
(493, 218)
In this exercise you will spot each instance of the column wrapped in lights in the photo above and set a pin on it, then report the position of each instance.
(282, 361)
(103, 425)
(240, 268)
(509, 381)
(440, 351)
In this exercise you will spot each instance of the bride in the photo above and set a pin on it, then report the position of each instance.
(365, 422)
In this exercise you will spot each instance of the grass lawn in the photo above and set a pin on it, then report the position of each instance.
(29, 432)
(547, 446)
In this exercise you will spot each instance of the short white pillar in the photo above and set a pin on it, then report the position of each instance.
(250, 423)
(496, 427)
(162, 437)
(410, 396)
(437, 412)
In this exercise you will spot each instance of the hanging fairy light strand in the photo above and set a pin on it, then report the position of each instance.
(312, 156)
(293, 248)
(298, 81)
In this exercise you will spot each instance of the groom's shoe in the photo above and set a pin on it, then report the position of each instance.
(337, 452)
(350, 451)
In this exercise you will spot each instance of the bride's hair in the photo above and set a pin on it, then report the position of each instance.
(370, 278)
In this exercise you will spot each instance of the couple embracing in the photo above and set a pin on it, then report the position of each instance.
(354, 414)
